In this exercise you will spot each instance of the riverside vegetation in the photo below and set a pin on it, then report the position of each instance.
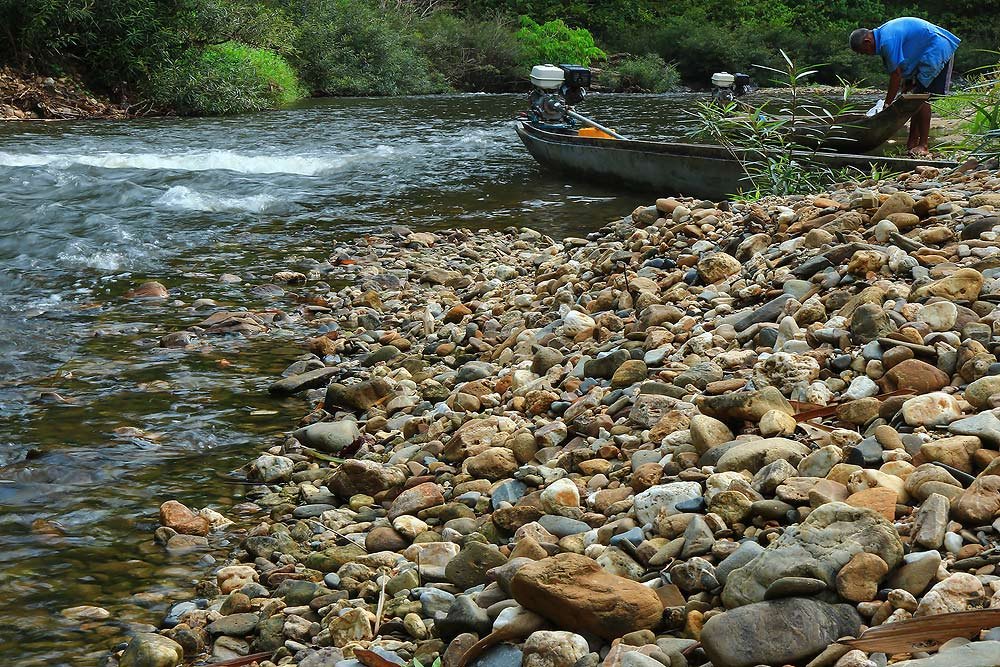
(709, 433)
(224, 56)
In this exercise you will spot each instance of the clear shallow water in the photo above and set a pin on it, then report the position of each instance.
(97, 426)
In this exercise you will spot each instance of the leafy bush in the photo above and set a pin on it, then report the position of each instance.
(555, 42)
(473, 54)
(350, 47)
(649, 73)
(224, 79)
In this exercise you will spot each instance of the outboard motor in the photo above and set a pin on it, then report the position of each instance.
(727, 87)
(556, 88)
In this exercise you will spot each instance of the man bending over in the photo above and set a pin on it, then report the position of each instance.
(918, 56)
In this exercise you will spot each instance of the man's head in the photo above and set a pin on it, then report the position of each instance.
(863, 41)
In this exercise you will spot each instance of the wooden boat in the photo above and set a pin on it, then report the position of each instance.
(858, 133)
(697, 170)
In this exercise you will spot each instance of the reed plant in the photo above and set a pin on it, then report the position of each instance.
(778, 148)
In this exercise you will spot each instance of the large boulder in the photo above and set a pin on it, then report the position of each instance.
(776, 632)
(817, 548)
(574, 592)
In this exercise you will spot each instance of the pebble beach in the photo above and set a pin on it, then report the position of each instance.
(710, 433)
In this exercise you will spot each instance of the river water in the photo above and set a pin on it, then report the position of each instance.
(98, 426)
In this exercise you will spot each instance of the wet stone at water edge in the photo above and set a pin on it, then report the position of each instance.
(705, 435)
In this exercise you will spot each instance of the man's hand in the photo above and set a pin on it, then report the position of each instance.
(895, 79)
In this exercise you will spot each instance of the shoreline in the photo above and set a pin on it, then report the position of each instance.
(518, 469)
(39, 98)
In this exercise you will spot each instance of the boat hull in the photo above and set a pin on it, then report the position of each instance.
(697, 170)
(858, 133)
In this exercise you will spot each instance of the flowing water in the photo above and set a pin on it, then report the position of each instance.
(98, 425)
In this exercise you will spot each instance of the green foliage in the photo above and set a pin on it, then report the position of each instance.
(555, 42)
(388, 47)
(436, 663)
(648, 73)
(224, 79)
(351, 47)
(473, 54)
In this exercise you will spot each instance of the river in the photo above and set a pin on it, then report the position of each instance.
(98, 425)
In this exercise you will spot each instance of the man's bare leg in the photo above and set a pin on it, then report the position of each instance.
(920, 130)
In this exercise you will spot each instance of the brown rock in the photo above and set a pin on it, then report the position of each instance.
(917, 375)
(528, 547)
(645, 476)
(717, 267)
(670, 422)
(512, 518)
(148, 290)
(928, 203)
(745, 405)
(457, 313)
(860, 411)
(858, 580)
(494, 463)
(630, 372)
(175, 515)
(362, 476)
(955, 451)
(963, 285)
(385, 538)
(904, 221)
(420, 497)
(978, 504)
(880, 499)
(895, 356)
(473, 437)
(898, 202)
(574, 592)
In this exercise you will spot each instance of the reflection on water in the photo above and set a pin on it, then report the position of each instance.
(98, 426)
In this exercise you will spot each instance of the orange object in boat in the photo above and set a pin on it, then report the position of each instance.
(593, 133)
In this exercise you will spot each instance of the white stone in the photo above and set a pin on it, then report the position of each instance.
(575, 323)
(553, 648)
(933, 409)
(409, 526)
(268, 468)
(663, 497)
(861, 387)
(959, 592)
(560, 494)
(233, 577)
(940, 316)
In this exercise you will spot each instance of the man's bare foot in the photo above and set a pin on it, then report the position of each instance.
(920, 151)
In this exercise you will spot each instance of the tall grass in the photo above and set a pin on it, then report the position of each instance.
(649, 73)
(224, 79)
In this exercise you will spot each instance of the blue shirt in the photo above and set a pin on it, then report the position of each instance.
(921, 49)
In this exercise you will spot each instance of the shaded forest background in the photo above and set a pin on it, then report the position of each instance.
(223, 56)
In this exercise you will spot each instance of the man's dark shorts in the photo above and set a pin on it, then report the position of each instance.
(940, 85)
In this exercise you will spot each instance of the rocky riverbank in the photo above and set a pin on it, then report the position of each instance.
(726, 434)
(34, 97)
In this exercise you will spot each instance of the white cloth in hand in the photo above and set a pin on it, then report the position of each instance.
(879, 106)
